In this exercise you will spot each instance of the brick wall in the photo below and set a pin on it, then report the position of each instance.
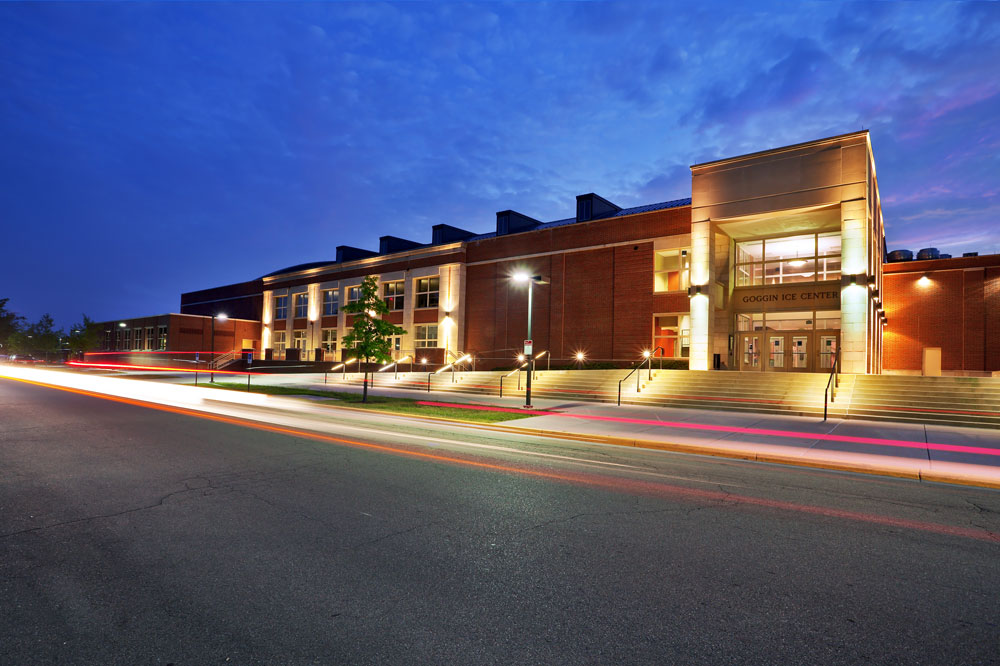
(957, 308)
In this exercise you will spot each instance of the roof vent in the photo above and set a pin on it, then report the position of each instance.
(390, 244)
(928, 253)
(900, 255)
(348, 253)
(970, 254)
(592, 207)
(512, 222)
(445, 233)
(944, 255)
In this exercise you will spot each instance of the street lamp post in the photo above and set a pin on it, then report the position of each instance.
(529, 353)
(211, 362)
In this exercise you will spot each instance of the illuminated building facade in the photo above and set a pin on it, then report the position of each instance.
(775, 264)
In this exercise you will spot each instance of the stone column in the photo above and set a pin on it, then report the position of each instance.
(702, 305)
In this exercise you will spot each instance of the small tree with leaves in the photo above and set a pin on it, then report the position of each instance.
(369, 336)
(10, 324)
(84, 336)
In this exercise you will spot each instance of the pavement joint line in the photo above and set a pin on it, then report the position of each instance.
(916, 474)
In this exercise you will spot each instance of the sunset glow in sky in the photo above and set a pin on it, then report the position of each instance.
(152, 149)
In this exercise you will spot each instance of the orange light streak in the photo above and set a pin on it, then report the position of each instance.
(617, 484)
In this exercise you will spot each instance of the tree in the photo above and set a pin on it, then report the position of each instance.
(44, 335)
(84, 336)
(10, 323)
(370, 333)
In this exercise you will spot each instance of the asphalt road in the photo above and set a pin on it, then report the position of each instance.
(131, 535)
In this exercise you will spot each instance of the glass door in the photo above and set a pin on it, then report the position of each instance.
(750, 351)
(800, 352)
(776, 352)
(829, 343)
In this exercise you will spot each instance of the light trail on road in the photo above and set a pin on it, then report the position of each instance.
(616, 484)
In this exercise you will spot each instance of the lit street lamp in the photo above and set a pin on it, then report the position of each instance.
(221, 317)
(529, 353)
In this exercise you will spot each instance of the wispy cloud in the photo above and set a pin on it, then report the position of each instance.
(156, 133)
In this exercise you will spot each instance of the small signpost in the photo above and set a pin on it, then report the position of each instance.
(527, 347)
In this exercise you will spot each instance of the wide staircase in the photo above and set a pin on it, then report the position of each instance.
(798, 394)
(962, 401)
(959, 401)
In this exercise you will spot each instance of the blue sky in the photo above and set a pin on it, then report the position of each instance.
(151, 149)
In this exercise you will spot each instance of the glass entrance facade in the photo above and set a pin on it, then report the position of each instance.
(805, 341)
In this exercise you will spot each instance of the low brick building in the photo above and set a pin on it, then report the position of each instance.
(952, 304)
(775, 264)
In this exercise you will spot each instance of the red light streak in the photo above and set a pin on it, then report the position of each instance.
(158, 351)
(613, 484)
(162, 368)
(900, 443)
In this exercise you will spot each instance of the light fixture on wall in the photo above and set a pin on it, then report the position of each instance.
(855, 279)
(924, 280)
(694, 290)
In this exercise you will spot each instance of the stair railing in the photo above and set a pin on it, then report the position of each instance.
(653, 354)
(829, 393)
(221, 359)
(548, 362)
(646, 357)
(517, 369)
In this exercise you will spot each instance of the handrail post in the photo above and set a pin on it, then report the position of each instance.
(620, 392)
(429, 381)
(501, 385)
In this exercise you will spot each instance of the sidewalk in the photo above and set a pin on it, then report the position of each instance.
(912, 450)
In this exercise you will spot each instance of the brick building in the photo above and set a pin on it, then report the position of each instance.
(776, 263)
(952, 304)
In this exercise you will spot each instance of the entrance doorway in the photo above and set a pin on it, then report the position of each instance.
(788, 351)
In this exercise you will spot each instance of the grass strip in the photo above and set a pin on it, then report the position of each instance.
(377, 403)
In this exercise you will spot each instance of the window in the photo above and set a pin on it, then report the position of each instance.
(281, 307)
(805, 258)
(395, 343)
(427, 294)
(671, 270)
(426, 336)
(161, 335)
(392, 292)
(137, 340)
(354, 294)
(673, 333)
(278, 344)
(330, 303)
(150, 340)
(329, 339)
(299, 339)
(127, 339)
(301, 305)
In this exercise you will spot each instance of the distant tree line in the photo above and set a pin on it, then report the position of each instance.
(42, 339)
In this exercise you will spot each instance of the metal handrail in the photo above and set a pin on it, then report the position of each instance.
(503, 377)
(653, 354)
(637, 367)
(548, 362)
(221, 359)
(834, 380)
